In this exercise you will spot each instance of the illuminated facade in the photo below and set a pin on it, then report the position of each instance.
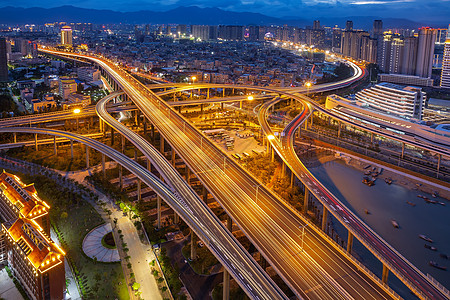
(25, 243)
(445, 75)
(66, 35)
(403, 101)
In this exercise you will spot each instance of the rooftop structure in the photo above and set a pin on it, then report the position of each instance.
(34, 259)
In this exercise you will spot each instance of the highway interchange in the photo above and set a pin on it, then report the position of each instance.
(316, 271)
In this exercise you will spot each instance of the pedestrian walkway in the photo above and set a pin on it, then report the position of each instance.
(93, 247)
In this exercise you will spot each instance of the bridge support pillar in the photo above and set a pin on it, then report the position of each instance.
(306, 124)
(112, 136)
(339, 129)
(136, 117)
(371, 137)
(349, 242)
(122, 143)
(305, 203)
(324, 219)
(312, 118)
(103, 166)
(87, 157)
(283, 169)
(173, 157)
(385, 275)
(149, 165)
(272, 153)
(35, 142)
(161, 144)
(403, 149)
(139, 195)
(292, 179)
(71, 149)
(15, 137)
(221, 106)
(188, 175)
(193, 247)
(153, 132)
(158, 208)
(54, 145)
(226, 285)
(120, 177)
(145, 126)
(438, 165)
(205, 194)
(201, 108)
(207, 93)
(240, 104)
(135, 155)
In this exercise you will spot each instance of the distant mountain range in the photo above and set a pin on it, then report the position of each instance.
(181, 15)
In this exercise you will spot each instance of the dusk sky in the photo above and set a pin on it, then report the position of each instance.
(419, 10)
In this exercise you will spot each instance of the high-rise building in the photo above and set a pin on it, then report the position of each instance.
(445, 74)
(231, 32)
(181, 30)
(377, 30)
(409, 59)
(336, 40)
(66, 35)
(425, 50)
(349, 26)
(395, 56)
(253, 33)
(200, 32)
(3, 60)
(316, 25)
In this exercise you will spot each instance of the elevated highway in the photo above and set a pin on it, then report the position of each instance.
(252, 278)
(180, 197)
(391, 259)
(316, 272)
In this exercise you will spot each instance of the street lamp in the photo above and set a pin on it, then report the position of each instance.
(270, 137)
(250, 98)
(308, 85)
(77, 111)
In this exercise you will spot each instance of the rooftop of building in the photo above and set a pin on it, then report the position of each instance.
(400, 88)
(22, 197)
(39, 249)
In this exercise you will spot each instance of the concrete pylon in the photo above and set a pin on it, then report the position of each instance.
(193, 246)
(120, 177)
(324, 219)
(87, 157)
(205, 194)
(384, 276)
(71, 149)
(305, 202)
(350, 242)
(158, 208)
(139, 195)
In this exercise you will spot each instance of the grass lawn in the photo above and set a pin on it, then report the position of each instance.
(98, 280)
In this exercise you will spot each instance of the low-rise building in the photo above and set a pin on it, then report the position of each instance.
(76, 100)
(404, 101)
(88, 74)
(406, 79)
(67, 86)
(25, 243)
(47, 102)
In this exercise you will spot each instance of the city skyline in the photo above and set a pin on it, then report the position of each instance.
(417, 10)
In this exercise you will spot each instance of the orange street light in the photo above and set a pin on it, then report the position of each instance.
(250, 98)
(76, 111)
(270, 137)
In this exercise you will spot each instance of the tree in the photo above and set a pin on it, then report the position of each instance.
(136, 286)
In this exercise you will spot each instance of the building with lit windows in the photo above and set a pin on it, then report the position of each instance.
(445, 75)
(67, 86)
(403, 101)
(66, 35)
(25, 243)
